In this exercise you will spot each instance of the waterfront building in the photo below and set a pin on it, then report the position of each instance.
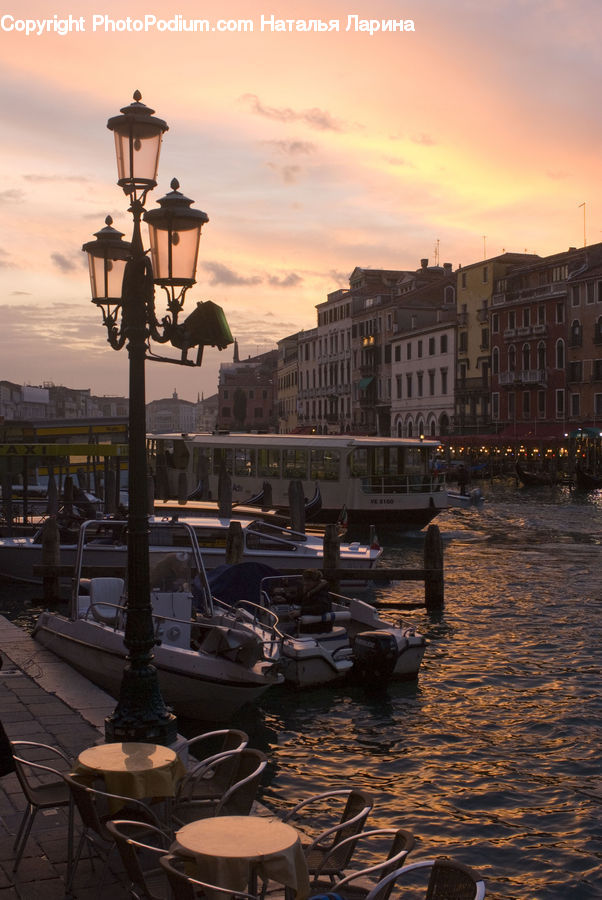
(171, 414)
(247, 393)
(206, 413)
(288, 384)
(475, 286)
(422, 372)
(544, 343)
(308, 406)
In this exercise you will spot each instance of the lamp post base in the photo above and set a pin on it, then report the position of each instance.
(141, 716)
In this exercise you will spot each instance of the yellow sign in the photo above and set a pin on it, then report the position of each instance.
(63, 449)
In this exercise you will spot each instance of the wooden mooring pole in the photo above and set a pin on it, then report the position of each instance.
(433, 568)
(51, 559)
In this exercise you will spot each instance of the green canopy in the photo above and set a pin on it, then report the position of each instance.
(364, 382)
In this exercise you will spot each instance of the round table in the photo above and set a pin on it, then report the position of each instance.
(230, 850)
(132, 769)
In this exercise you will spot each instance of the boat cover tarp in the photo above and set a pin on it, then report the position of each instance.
(240, 582)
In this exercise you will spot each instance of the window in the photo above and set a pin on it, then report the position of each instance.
(575, 295)
(597, 370)
(495, 361)
(225, 395)
(511, 319)
(432, 382)
(512, 358)
(463, 279)
(444, 381)
(541, 315)
(408, 351)
(397, 352)
(431, 346)
(419, 380)
(495, 323)
(559, 313)
(526, 317)
(541, 404)
(598, 404)
(398, 381)
(495, 405)
(560, 354)
(484, 338)
(408, 386)
(575, 404)
(485, 274)
(511, 406)
(576, 371)
(590, 295)
(419, 349)
(526, 357)
(443, 343)
(560, 403)
(463, 341)
(526, 405)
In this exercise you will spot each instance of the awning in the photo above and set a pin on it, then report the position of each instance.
(364, 382)
(586, 433)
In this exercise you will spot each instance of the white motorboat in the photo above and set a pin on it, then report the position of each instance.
(263, 542)
(331, 638)
(473, 497)
(209, 662)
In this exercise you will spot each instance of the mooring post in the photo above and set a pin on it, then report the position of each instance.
(51, 558)
(7, 500)
(182, 487)
(224, 494)
(267, 495)
(332, 553)
(296, 502)
(433, 565)
(109, 492)
(150, 494)
(234, 543)
(68, 495)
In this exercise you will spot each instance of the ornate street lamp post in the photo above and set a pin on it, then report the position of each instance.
(123, 279)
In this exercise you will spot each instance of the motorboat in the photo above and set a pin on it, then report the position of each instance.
(209, 661)
(263, 542)
(328, 637)
(474, 497)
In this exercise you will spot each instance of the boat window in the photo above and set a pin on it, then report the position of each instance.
(294, 463)
(325, 465)
(268, 463)
(244, 462)
(358, 463)
(222, 457)
(415, 460)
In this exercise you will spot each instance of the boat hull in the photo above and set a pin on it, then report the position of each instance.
(197, 688)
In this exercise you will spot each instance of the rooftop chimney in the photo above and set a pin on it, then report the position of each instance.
(447, 268)
(424, 263)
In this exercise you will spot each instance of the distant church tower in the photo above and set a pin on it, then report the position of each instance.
(235, 358)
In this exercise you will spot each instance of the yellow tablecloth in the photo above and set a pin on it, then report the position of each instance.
(132, 770)
(225, 848)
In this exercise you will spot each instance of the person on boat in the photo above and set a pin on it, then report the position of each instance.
(462, 476)
(314, 600)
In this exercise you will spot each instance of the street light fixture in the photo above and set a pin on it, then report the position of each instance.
(122, 279)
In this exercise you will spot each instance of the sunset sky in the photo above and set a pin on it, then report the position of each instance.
(311, 153)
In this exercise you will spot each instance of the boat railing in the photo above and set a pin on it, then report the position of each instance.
(257, 616)
(400, 484)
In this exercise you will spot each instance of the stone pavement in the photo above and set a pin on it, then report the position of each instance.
(44, 700)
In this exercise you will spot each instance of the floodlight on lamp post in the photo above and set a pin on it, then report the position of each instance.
(123, 278)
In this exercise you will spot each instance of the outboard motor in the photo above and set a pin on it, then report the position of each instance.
(375, 655)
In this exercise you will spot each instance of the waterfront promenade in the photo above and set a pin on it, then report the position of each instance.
(42, 699)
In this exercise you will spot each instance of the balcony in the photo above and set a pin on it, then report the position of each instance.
(540, 330)
(509, 333)
(523, 377)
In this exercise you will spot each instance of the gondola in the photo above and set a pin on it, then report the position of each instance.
(534, 479)
(587, 481)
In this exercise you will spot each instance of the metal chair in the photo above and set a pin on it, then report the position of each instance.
(357, 884)
(132, 841)
(49, 791)
(236, 800)
(448, 880)
(322, 854)
(186, 887)
(204, 781)
(95, 810)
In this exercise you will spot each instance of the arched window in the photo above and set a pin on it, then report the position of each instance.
(399, 429)
(495, 361)
(560, 354)
(541, 355)
(410, 428)
(443, 424)
(526, 357)
(420, 427)
(512, 358)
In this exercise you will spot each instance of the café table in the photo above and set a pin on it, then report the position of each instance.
(137, 770)
(232, 851)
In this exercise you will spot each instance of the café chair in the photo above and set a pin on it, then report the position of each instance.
(357, 884)
(323, 854)
(205, 779)
(140, 848)
(44, 788)
(96, 808)
(185, 887)
(236, 800)
(448, 880)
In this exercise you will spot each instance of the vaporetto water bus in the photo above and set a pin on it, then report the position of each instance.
(376, 479)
